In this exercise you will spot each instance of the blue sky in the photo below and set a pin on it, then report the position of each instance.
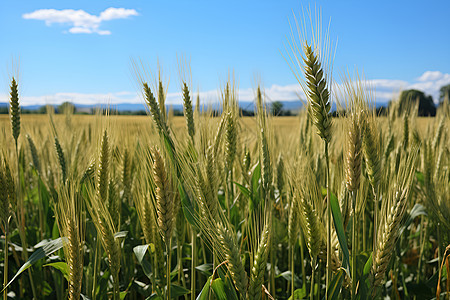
(81, 51)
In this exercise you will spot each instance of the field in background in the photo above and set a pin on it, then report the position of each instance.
(241, 193)
(133, 124)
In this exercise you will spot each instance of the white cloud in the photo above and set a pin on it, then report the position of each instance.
(430, 75)
(429, 82)
(81, 21)
(117, 13)
(80, 30)
(79, 98)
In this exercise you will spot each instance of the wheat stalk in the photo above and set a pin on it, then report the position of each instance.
(4, 221)
(165, 208)
(71, 225)
(394, 210)
(259, 263)
(320, 106)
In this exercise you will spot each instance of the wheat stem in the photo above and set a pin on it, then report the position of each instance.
(313, 270)
(168, 254)
(292, 269)
(302, 259)
(96, 265)
(5, 262)
(354, 245)
(328, 277)
(193, 261)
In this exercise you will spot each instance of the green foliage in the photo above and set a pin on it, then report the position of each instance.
(444, 91)
(276, 108)
(408, 99)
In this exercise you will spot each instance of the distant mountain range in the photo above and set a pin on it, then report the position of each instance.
(246, 105)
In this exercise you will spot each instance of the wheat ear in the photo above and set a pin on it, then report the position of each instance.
(154, 109)
(353, 155)
(164, 201)
(126, 177)
(103, 168)
(318, 93)
(320, 107)
(188, 111)
(395, 208)
(14, 110)
(61, 159)
(34, 154)
(165, 208)
(232, 255)
(162, 100)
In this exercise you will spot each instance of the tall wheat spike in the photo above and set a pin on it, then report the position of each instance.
(98, 209)
(103, 169)
(154, 109)
(371, 144)
(162, 100)
(405, 130)
(394, 209)
(371, 153)
(126, 177)
(230, 140)
(280, 173)
(61, 159)
(353, 154)
(320, 107)
(164, 198)
(14, 110)
(34, 154)
(317, 92)
(265, 161)
(188, 111)
(234, 262)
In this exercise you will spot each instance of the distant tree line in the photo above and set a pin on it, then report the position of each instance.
(407, 99)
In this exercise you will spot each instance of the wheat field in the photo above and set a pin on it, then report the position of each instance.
(227, 207)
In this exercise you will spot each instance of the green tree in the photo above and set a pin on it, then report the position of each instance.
(408, 98)
(444, 91)
(277, 108)
(66, 107)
